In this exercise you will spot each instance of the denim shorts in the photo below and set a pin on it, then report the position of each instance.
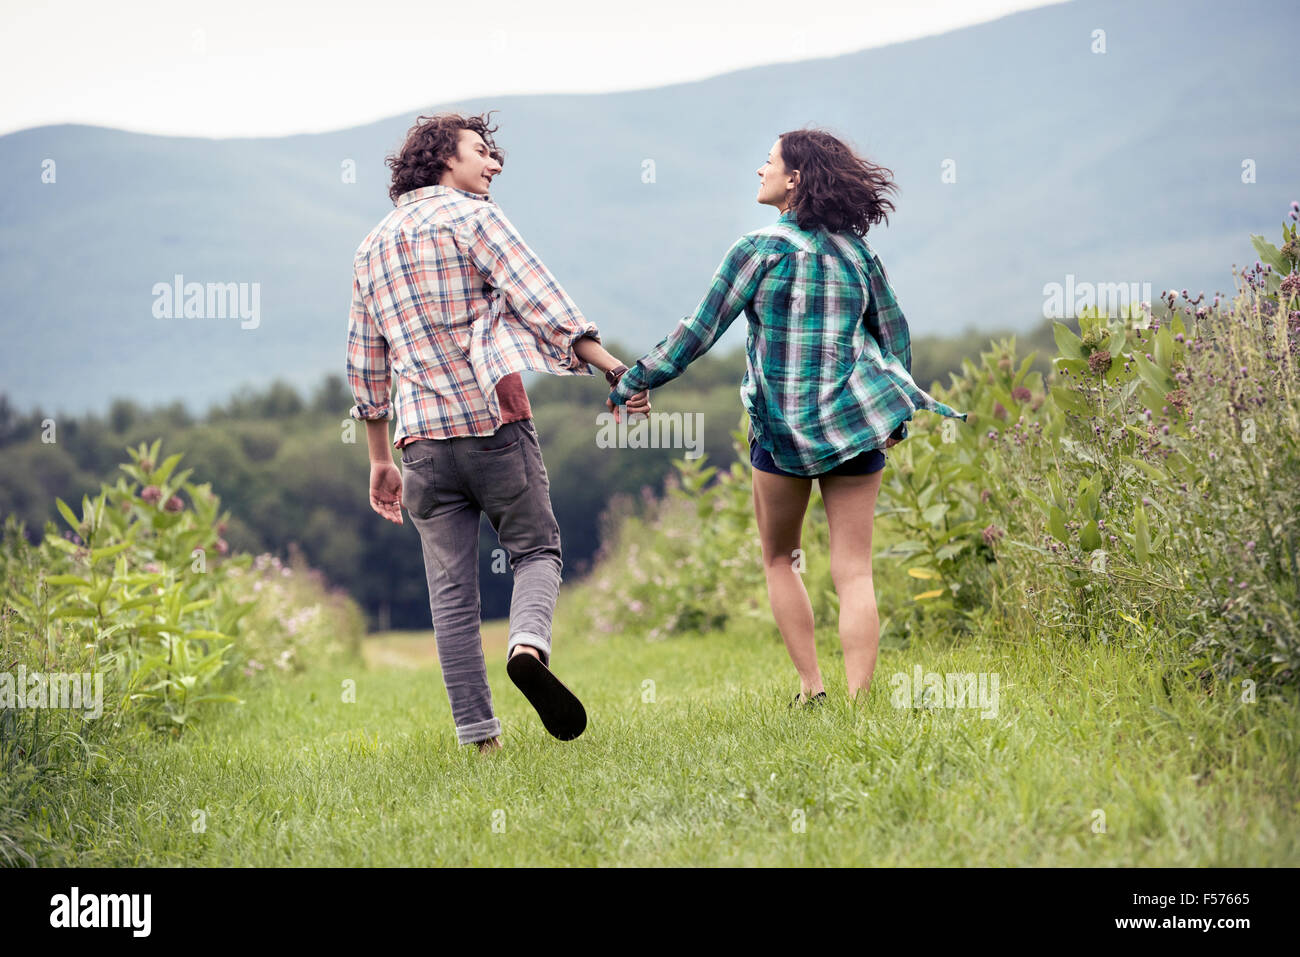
(868, 462)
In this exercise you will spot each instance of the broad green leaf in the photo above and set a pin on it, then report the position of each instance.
(951, 550)
(1069, 344)
(1090, 537)
(66, 580)
(1164, 348)
(1070, 401)
(1056, 524)
(68, 514)
(97, 553)
(935, 512)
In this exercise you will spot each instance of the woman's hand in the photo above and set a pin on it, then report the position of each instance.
(639, 404)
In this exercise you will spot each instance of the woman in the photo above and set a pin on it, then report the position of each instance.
(827, 384)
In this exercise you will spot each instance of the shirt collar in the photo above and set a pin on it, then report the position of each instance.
(427, 192)
(789, 217)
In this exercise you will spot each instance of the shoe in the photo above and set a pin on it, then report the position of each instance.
(815, 701)
(561, 712)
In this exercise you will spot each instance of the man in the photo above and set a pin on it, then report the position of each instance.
(447, 296)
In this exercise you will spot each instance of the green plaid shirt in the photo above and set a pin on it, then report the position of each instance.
(829, 365)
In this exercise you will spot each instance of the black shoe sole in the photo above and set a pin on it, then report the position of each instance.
(815, 701)
(561, 712)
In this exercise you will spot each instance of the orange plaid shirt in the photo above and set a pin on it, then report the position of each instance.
(448, 300)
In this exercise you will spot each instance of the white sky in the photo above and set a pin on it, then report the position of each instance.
(240, 68)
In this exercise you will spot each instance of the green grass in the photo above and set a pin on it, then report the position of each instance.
(714, 771)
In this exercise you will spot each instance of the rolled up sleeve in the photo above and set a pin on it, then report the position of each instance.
(491, 241)
(732, 288)
(369, 371)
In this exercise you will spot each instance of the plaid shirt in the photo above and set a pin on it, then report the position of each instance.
(447, 297)
(829, 357)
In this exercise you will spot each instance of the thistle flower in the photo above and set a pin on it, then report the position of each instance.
(151, 494)
(1021, 394)
(998, 411)
(991, 534)
(1099, 362)
(174, 504)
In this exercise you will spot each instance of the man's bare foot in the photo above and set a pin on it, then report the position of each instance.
(491, 744)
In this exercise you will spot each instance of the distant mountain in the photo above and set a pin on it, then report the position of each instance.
(1122, 166)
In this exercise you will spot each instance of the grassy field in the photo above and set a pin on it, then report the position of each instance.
(692, 758)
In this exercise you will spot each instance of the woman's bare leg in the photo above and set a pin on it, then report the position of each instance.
(851, 513)
(779, 506)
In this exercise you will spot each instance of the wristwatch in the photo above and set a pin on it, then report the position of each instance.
(614, 374)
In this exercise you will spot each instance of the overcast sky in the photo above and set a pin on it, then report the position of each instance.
(240, 68)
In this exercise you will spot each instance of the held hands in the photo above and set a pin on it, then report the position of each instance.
(386, 491)
(639, 404)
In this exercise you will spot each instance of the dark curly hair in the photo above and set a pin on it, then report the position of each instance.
(837, 189)
(429, 144)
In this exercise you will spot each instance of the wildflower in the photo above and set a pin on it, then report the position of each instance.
(999, 412)
(985, 495)
(1099, 362)
(1291, 284)
(174, 504)
(991, 534)
(151, 494)
(1250, 545)
(146, 466)
(1021, 394)
(222, 547)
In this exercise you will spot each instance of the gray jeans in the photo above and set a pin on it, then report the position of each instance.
(446, 484)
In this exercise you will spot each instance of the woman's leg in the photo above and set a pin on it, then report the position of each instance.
(779, 505)
(851, 511)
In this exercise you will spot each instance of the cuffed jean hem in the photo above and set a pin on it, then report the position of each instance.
(533, 641)
(478, 731)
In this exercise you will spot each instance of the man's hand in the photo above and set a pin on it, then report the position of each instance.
(639, 404)
(386, 491)
(890, 442)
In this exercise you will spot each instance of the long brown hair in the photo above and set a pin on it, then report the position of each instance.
(837, 189)
(429, 144)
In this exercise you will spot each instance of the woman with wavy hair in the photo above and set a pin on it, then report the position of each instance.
(827, 384)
